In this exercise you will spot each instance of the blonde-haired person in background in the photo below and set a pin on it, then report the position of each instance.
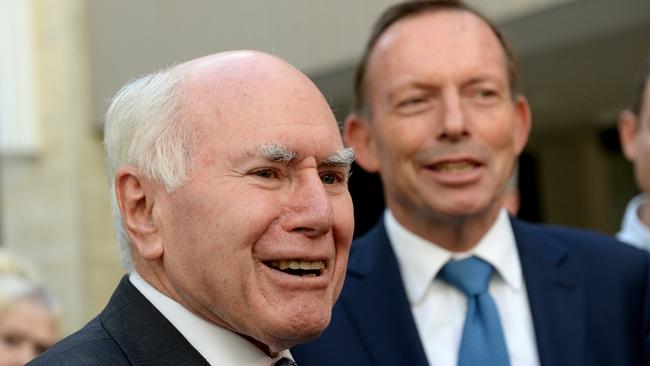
(28, 313)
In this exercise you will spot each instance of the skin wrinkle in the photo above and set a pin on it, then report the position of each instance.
(456, 108)
(212, 234)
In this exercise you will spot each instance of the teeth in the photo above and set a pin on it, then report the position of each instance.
(454, 166)
(298, 264)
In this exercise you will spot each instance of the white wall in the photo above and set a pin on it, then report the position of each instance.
(18, 132)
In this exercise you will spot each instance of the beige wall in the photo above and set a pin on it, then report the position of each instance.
(53, 199)
(581, 183)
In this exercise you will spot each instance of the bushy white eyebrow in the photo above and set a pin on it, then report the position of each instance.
(278, 152)
(281, 153)
(343, 157)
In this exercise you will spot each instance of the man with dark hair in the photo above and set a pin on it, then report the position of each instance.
(447, 277)
(634, 131)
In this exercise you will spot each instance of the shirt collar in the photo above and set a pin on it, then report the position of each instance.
(633, 230)
(217, 345)
(420, 260)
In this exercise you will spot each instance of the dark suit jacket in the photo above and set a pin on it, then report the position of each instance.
(589, 297)
(130, 331)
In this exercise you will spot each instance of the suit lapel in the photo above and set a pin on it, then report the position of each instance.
(555, 289)
(145, 336)
(376, 300)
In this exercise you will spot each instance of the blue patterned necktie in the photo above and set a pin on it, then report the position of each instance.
(482, 343)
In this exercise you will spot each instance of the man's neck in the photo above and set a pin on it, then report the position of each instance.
(456, 234)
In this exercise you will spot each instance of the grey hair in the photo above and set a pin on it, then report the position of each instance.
(342, 157)
(278, 152)
(144, 128)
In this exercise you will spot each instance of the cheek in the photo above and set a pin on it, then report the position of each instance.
(214, 238)
(499, 137)
(394, 145)
(236, 216)
(343, 231)
(343, 220)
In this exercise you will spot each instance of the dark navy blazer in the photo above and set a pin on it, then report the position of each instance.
(130, 331)
(589, 297)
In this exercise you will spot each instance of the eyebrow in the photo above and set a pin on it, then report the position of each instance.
(343, 157)
(281, 153)
(278, 152)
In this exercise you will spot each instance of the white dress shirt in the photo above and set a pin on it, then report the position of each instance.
(633, 230)
(217, 345)
(439, 308)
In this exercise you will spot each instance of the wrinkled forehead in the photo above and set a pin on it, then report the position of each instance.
(246, 100)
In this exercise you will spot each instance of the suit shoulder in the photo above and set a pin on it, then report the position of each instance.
(588, 244)
(91, 345)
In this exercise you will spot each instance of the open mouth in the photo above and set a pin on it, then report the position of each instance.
(298, 267)
(454, 166)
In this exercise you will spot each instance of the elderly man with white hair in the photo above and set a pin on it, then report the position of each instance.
(229, 182)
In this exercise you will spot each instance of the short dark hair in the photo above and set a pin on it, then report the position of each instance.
(411, 8)
(640, 89)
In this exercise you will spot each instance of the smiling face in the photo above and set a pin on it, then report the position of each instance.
(444, 129)
(257, 238)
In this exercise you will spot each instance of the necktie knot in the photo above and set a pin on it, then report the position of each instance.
(284, 362)
(482, 342)
(470, 275)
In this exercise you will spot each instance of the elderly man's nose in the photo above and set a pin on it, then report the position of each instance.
(309, 209)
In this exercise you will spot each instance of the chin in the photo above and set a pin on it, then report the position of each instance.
(466, 205)
(305, 325)
(291, 332)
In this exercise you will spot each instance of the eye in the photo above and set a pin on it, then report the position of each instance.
(331, 178)
(328, 178)
(411, 101)
(10, 340)
(267, 173)
(486, 93)
(414, 104)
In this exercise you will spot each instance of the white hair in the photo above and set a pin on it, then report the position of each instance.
(145, 128)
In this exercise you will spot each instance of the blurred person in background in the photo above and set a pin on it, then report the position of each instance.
(228, 179)
(634, 132)
(29, 314)
(448, 278)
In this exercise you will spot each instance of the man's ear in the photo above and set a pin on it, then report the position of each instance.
(523, 123)
(357, 134)
(136, 198)
(628, 129)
